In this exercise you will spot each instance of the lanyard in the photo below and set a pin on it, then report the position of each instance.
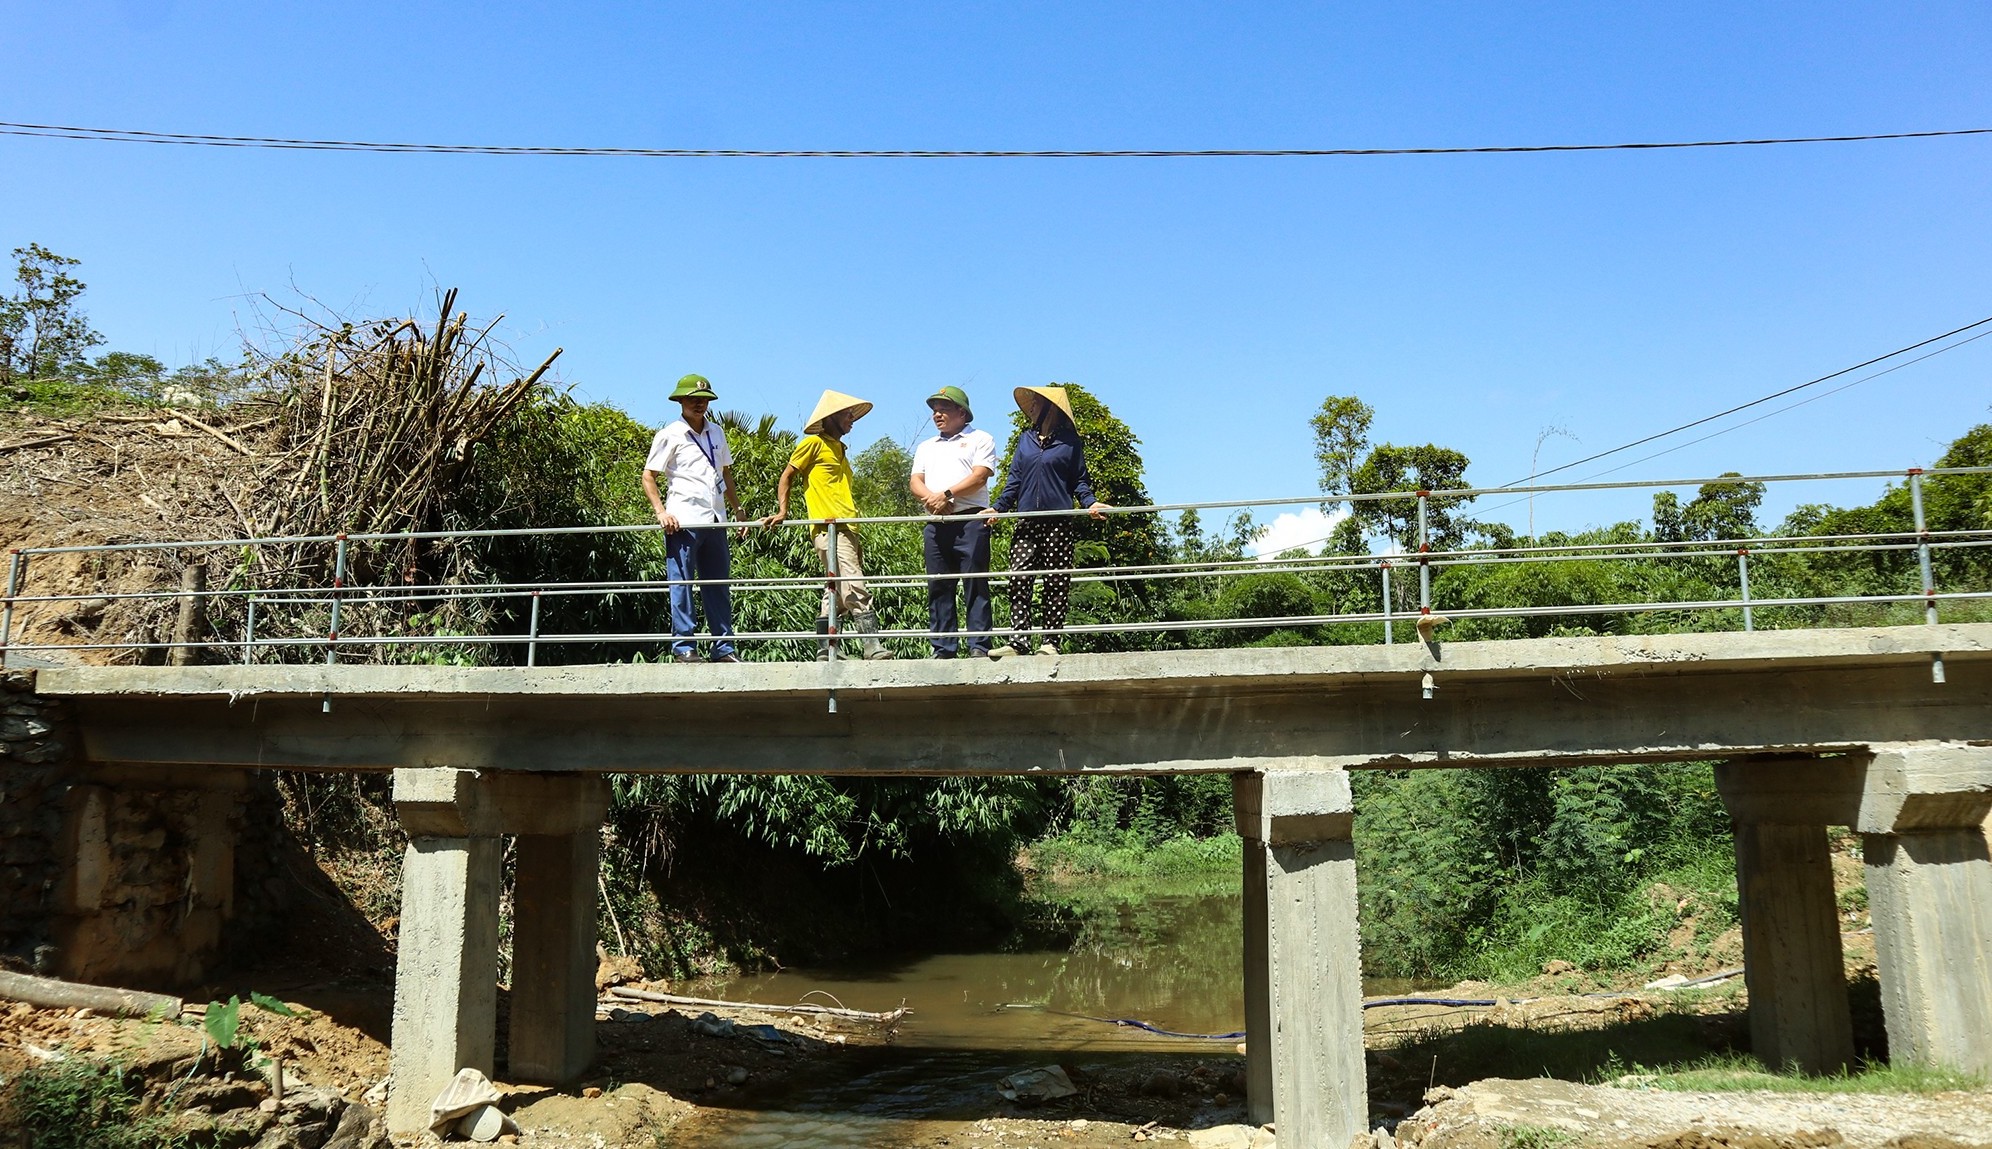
(711, 454)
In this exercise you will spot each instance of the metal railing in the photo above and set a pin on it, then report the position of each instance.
(251, 618)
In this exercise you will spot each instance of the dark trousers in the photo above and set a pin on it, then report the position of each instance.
(700, 554)
(955, 548)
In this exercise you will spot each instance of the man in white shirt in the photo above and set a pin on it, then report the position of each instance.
(951, 474)
(697, 466)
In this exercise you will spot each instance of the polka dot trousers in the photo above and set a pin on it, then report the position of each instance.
(1038, 602)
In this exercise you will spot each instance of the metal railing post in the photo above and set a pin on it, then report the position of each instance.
(1743, 575)
(836, 585)
(338, 584)
(1385, 566)
(532, 633)
(16, 565)
(249, 634)
(1923, 562)
(1424, 549)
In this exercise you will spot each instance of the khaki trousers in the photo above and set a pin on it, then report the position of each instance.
(852, 597)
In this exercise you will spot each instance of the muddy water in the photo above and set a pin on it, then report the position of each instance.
(1172, 961)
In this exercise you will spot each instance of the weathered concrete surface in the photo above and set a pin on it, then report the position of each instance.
(552, 1037)
(1792, 960)
(445, 992)
(1930, 894)
(446, 972)
(1304, 1068)
(1791, 930)
(1540, 701)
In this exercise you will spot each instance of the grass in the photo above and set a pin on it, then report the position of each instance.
(1731, 1072)
(78, 1103)
(1128, 855)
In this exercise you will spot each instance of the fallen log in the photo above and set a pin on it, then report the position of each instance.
(886, 1017)
(52, 993)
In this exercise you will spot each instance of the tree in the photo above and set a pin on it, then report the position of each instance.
(42, 332)
(1718, 511)
(1392, 468)
(1341, 435)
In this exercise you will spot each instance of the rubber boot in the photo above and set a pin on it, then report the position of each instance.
(822, 640)
(866, 625)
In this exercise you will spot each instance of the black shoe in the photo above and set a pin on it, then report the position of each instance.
(686, 658)
(729, 657)
(944, 654)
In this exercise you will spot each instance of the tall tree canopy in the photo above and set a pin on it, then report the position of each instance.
(43, 333)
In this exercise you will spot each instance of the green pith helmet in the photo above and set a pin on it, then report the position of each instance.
(954, 395)
(693, 387)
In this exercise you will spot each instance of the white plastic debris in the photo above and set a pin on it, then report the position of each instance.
(467, 1095)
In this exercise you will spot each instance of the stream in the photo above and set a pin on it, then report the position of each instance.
(1173, 961)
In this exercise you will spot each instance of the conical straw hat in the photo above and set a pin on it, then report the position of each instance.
(831, 403)
(1028, 399)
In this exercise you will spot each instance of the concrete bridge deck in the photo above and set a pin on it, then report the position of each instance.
(1538, 702)
(1815, 728)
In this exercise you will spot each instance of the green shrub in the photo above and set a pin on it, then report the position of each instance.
(81, 1104)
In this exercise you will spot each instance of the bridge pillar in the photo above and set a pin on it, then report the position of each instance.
(446, 976)
(1792, 960)
(552, 1039)
(1303, 974)
(1929, 878)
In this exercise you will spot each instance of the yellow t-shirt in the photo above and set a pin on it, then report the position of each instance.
(825, 471)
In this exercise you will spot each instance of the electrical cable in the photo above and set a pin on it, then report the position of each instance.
(140, 136)
(1751, 422)
(1640, 442)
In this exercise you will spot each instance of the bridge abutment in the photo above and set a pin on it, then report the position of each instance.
(1929, 878)
(445, 997)
(1303, 968)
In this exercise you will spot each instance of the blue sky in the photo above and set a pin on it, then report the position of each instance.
(1474, 301)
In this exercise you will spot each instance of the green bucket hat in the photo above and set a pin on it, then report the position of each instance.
(954, 395)
(693, 387)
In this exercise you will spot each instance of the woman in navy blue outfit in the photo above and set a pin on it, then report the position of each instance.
(1047, 474)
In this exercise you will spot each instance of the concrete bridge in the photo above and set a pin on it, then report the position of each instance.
(1886, 730)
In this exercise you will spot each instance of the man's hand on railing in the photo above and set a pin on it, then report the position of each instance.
(1098, 510)
(775, 519)
(669, 522)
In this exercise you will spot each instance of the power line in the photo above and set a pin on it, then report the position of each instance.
(138, 136)
(1640, 442)
(1852, 383)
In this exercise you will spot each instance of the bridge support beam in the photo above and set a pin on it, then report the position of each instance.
(1929, 878)
(1303, 973)
(445, 993)
(1792, 960)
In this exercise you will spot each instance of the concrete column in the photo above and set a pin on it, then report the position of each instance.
(446, 973)
(446, 979)
(1792, 960)
(553, 941)
(1303, 972)
(1929, 878)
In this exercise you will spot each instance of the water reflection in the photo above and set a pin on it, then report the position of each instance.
(1172, 960)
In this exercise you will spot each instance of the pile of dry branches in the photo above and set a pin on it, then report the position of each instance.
(375, 426)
